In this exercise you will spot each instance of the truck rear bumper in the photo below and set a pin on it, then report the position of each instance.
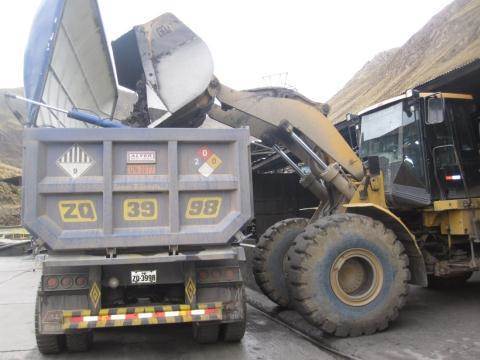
(220, 253)
(143, 315)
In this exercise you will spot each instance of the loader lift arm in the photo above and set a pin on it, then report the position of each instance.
(288, 121)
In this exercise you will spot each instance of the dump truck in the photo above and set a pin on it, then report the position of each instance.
(401, 208)
(141, 226)
(397, 207)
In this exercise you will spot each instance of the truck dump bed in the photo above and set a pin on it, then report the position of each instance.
(129, 188)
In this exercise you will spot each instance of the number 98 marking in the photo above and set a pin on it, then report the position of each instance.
(145, 209)
(203, 207)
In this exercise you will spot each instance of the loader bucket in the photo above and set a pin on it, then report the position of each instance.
(175, 64)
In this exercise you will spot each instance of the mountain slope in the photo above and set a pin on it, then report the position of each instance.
(451, 38)
(9, 196)
(10, 158)
(10, 130)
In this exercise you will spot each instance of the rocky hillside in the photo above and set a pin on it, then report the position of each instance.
(10, 159)
(10, 130)
(451, 38)
(9, 196)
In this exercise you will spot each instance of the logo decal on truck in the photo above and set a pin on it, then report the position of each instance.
(141, 157)
(142, 162)
(75, 161)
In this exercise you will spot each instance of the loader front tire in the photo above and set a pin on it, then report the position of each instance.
(269, 259)
(348, 275)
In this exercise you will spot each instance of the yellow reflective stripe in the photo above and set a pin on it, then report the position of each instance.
(118, 322)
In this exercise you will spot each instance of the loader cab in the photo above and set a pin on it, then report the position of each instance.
(427, 145)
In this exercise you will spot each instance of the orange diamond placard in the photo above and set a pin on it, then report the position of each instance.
(214, 161)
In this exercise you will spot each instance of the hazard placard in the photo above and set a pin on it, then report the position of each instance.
(75, 161)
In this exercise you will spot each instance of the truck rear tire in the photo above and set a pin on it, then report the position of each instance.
(444, 283)
(79, 342)
(206, 333)
(234, 332)
(47, 344)
(269, 261)
(348, 275)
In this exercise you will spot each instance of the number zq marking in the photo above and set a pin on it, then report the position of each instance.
(203, 207)
(144, 209)
(77, 211)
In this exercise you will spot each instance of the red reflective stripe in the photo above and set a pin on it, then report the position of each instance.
(210, 311)
(160, 314)
(131, 316)
(76, 319)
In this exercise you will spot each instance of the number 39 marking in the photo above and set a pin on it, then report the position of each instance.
(203, 207)
(145, 209)
(77, 211)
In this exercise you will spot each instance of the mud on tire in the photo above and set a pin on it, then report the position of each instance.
(268, 261)
(332, 291)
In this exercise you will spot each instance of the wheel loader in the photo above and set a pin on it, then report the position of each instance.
(402, 209)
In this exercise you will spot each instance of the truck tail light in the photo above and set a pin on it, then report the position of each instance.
(66, 282)
(81, 281)
(453, 177)
(229, 274)
(203, 275)
(60, 282)
(52, 282)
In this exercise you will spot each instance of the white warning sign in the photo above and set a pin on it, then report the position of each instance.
(75, 161)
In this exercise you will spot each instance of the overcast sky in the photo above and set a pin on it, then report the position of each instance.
(321, 44)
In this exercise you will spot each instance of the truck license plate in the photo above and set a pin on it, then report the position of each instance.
(144, 277)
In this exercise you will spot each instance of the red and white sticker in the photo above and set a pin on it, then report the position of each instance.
(141, 157)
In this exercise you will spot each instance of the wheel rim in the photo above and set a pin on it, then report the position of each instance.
(356, 277)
